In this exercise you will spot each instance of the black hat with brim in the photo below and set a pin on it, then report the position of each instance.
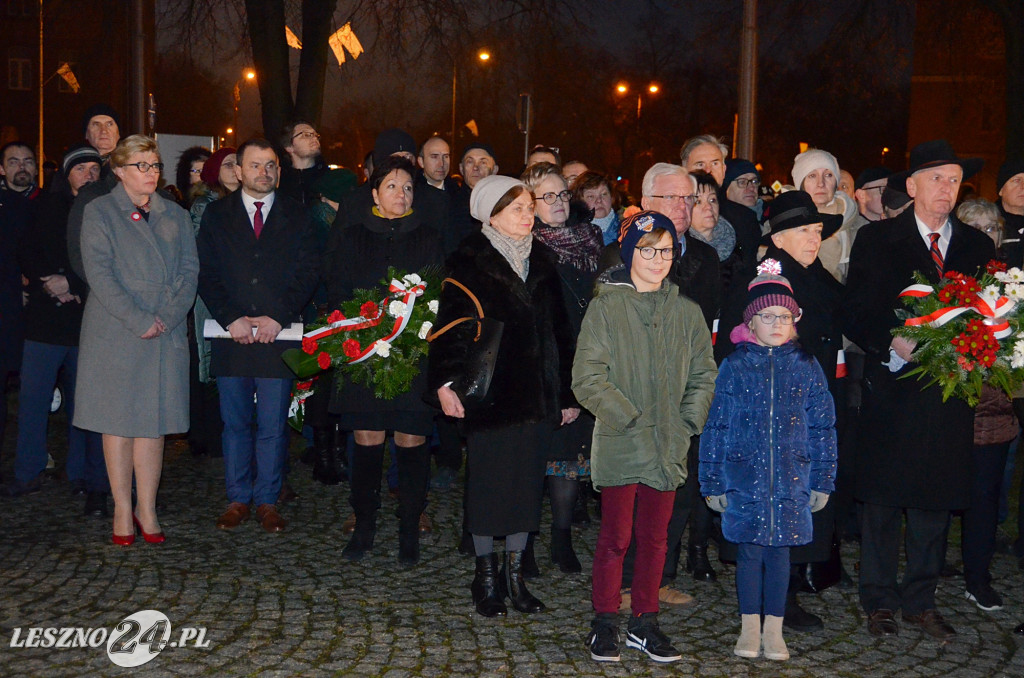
(794, 209)
(935, 153)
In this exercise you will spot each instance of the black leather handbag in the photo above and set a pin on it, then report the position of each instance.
(475, 381)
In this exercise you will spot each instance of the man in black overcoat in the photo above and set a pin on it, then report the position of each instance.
(258, 269)
(914, 456)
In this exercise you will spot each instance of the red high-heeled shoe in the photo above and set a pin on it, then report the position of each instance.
(155, 538)
(123, 540)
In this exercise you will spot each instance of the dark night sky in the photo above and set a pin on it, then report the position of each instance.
(414, 91)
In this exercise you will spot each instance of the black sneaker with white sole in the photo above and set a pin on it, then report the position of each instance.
(603, 640)
(985, 598)
(645, 635)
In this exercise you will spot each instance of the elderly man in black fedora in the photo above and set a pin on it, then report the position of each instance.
(914, 457)
(797, 230)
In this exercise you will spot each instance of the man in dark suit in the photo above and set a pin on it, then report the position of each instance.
(258, 268)
(914, 455)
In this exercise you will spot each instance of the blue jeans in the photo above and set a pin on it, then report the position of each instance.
(268, 446)
(39, 366)
(762, 579)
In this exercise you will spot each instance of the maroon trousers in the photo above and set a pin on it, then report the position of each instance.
(653, 511)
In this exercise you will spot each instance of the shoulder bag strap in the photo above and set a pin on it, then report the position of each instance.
(458, 321)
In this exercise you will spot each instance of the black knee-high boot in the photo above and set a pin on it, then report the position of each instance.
(365, 498)
(563, 493)
(413, 472)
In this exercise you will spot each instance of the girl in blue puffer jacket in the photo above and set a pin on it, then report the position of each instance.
(767, 455)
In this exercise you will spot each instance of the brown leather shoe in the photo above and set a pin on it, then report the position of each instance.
(426, 527)
(671, 596)
(270, 519)
(932, 623)
(236, 514)
(287, 494)
(881, 622)
(349, 526)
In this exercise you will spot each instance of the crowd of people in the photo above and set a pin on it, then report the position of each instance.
(707, 359)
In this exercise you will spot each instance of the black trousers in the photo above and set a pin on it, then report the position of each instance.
(978, 536)
(926, 532)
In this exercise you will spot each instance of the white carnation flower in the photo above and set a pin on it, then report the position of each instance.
(396, 308)
(1015, 291)
(424, 329)
(1015, 275)
(413, 279)
(383, 348)
(432, 305)
(990, 295)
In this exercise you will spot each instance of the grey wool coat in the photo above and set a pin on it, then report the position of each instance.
(137, 270)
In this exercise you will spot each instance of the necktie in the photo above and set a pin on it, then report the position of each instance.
(936, 252)
(257, 225)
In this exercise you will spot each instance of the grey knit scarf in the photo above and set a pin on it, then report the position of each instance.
(723, 238)
(516, 252)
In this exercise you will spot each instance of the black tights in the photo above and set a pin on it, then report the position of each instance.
(563, 493)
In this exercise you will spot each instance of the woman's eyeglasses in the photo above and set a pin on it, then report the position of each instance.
(144, 167)
(550, 198)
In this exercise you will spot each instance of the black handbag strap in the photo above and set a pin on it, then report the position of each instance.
(458, 321)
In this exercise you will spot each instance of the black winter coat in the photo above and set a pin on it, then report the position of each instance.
(240, 275)
(533, 370)
(915, 450)
(44, 252)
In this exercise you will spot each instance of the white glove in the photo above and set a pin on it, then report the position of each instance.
(818, 501)
(717, 502)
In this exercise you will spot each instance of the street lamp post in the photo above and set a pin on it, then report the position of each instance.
(247, 75)
(484, 56)
(623, 88)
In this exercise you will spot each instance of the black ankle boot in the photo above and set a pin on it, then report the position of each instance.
(697, 562)
(413, 472)
(797, 618)
(324, 458)
(513, 586)
(365, 499)
(530, 568)
(486, 590)
(562, 553)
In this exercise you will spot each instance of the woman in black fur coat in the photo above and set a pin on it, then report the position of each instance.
(508, 433)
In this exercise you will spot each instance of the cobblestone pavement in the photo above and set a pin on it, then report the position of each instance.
(287, 605)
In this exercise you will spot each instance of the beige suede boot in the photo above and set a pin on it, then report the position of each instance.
(774, 645)
(749, 643)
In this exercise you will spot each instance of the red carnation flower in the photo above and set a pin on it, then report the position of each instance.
(995, 266)
(323, 360)
(304, 385)
(335, 316)
(369, 310)
(351, 348)
(309, 345)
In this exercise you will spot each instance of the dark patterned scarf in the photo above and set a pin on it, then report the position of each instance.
(578, 244)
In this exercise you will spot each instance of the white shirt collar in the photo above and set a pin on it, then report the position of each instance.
(249, 203)
(945, 233)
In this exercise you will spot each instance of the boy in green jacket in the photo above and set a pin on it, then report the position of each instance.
(644, 368)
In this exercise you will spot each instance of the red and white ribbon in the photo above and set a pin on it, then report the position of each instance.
(405, 290)
(991, 309)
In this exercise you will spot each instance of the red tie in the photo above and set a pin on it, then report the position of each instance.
(936, 252)
(257, 223)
